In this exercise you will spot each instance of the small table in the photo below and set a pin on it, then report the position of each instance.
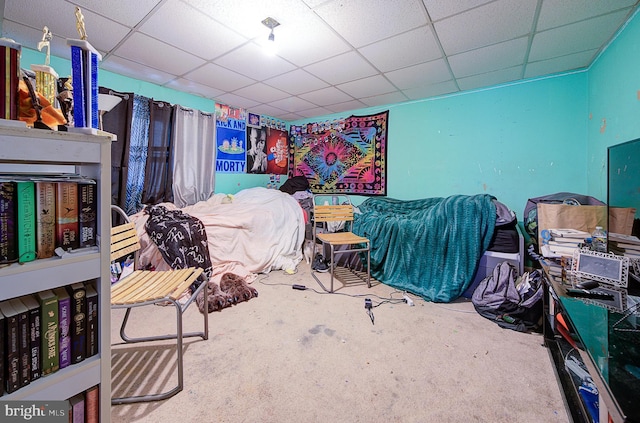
(606, 334)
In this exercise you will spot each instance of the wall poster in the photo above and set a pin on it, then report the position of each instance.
(231, 126)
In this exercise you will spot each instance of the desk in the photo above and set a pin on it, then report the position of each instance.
(609, 348)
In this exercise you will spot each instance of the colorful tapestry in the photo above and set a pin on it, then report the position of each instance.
(346, 157)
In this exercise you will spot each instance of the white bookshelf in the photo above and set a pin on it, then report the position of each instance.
(33, 150)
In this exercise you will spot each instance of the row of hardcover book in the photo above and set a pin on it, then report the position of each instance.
(39, 214)
(47, 331)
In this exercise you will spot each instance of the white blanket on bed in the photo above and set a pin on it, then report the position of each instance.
(258, 231)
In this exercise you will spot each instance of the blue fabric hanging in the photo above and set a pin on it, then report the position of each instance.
(138, 150)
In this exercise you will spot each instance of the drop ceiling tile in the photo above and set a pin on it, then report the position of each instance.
(218, 77)
(252, 61)
(431, 90)
(266, 109)
(131, 69)
(490, 79)
(296, 82)
(236, 101)
(420, 75)
(289, 117)
(343, 68)
(262, 93)
(292, 104)
(143, 49)
(346, 106)
(103, 34)
(185, 85)
(489, 24)
(439, 9)
(390, 98)
(366, 87)
(580, 36)
(199, 34)
(410, 48)
(126, 13)
(326, 96)
(556, 13)
(560, 64)
(491, 58)
(318, 111)
(363, 22)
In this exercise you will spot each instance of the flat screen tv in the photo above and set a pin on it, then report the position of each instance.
(623, 182)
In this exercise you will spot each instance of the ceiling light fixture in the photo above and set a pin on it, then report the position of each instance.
(271, 40)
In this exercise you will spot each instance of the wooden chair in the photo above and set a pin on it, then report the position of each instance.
(332, 210)
(143, 288)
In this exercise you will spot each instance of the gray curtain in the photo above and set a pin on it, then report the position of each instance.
(194, 149)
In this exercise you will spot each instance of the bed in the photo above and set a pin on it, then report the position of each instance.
(430, 247)
(254, 231)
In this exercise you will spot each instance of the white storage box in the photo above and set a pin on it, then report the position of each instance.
(490, 259)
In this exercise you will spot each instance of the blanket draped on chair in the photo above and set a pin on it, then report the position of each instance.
(430, 247)
(181, 239)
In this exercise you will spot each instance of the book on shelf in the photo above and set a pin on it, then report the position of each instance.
(35, 324)
(88, 212)
(569, 233)
(92, 405)
(76, 408)
(25, 220)
(11, 346)
(64, 327)
(2, 354)
(92, 320)
(49, 331)
(78, 329)
(67, 215)
(23, 341)
(45, 218)
(8, 247)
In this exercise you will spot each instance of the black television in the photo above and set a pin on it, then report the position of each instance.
(623, 181)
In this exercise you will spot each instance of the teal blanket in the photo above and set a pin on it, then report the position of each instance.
(430, 247)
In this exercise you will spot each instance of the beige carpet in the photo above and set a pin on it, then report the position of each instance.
(301, 356)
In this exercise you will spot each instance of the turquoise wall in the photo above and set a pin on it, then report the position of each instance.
(514, 141)
(614, 103)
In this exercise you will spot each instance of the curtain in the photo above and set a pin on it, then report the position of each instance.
(194, 158)
(138, 148)
(118, 122)
(158, 175)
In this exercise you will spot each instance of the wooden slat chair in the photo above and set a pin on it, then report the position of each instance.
(143, 288)
(337, 208)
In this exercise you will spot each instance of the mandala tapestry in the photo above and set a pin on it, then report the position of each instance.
(345, 157)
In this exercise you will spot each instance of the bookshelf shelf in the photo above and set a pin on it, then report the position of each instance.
(27, 150)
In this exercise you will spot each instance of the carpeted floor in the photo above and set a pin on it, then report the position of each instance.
(305, 356)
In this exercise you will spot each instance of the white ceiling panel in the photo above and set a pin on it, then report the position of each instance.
(493, 23)
(491, 58)
(343, 68)
(296, 82)
(392, 53)
(332, 56)
(363, 22)
(201, 35)
(577, 37)
(420, 75)
(327, 96)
